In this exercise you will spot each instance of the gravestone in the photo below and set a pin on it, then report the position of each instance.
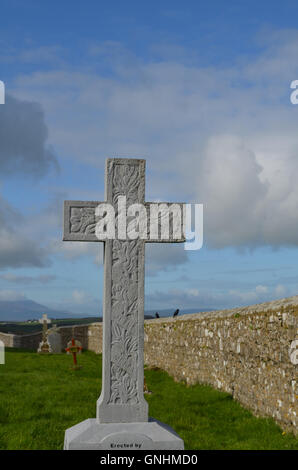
(122, 412)
(44, 346)
(54, 340)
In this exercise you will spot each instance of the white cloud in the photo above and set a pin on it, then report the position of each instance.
(78, 301)
(79, 296)
(261, 289)
(10, 295)
(222, 136)
(215, 299)
(75, 250)
(280, 290)
(193, 292)
(36, 55)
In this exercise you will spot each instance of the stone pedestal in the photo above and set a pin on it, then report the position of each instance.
(44, 347)
(151, 435)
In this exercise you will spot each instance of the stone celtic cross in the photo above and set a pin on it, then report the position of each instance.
(44, 345)
(122, 399)
(45, 320)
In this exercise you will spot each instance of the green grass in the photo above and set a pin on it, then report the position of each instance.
(41, 396)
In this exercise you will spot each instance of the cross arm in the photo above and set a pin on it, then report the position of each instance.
(80, 221)
(45, 319)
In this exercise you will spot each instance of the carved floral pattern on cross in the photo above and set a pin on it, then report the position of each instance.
(124, 344)
(82, 220)
(122, 396)
(124, 328)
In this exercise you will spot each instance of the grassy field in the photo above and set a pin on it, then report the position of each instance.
(40, 397)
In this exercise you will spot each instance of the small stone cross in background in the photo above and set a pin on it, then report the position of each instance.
(74, 347)
(44, 346)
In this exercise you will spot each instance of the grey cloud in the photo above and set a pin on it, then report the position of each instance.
(11, 296)
(23, 136)
(16, 249)
(41, 279)
(23, 151)
(164, 257)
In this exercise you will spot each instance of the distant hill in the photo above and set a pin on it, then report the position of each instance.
(22, 310)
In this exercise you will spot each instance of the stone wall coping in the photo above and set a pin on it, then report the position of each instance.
(14, 335)
(78, 326)
(264, 307)
(8, 334)
(21, 336)
(30, 334)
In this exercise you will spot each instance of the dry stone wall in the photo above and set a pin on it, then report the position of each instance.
(89, 335)
(30, 341)
(250, 354)
(7, 339)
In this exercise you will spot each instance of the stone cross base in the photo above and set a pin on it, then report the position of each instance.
(151, 435)
(44, 348)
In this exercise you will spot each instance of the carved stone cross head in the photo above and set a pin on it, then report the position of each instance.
(45, 320)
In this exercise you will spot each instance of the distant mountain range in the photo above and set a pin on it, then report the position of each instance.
(23, 310)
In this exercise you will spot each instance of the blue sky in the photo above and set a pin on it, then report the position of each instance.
(199, 89)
